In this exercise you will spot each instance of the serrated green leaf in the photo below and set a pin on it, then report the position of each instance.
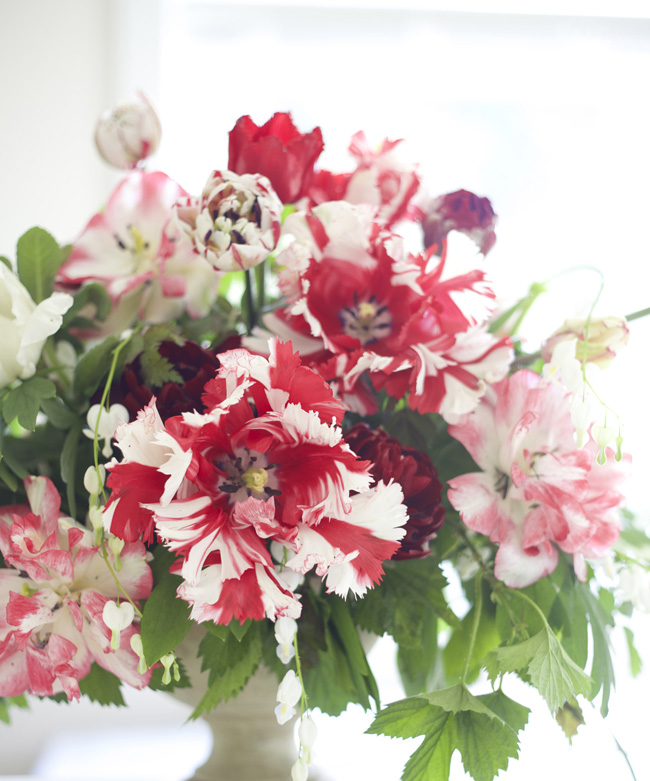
(23, 403)
(418, 666)
(453, 719)
(409, 592)
(157, 370)
(93, 367)
(102, 686)
(165, 620)
(512, 713)
(230, 664)
(156, 683)
(224, 631)
(334, 666)
(38, 258)
(550, 669)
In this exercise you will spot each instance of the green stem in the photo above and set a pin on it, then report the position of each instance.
(120, 587)
(478, 609)
(104, 402)
(250, 306)
(304, 704)
(259, 283)
(637, 315)
(56, 367)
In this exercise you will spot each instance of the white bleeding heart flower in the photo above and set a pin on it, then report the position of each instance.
(289, 694)
(109, 420)
(25, 326)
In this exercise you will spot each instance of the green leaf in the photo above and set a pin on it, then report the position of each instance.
(334, 665)
(6, 703)
(602, 668)
(93, 296)
(636, 664)
(157, 370)
(418, 666)
(102, 686)
(570, 717)
(8, 264)
(487, 638)
(165, 619)
(69, 458)
(453, 719)
(550, 669)
(410, 591)
(23, 403)
(58, 414)
(38, 258)
(7, 477)
(93, 367)
(231, 663)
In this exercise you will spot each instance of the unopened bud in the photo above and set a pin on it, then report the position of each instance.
(128, 134)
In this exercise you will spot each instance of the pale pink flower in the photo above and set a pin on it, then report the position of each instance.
(139, 257)
(536, 492)
(54, 591)
(605, 338)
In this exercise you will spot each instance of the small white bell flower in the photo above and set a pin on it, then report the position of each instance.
(289, 694)
(285, 632)
(117, 617)
(109, 420)
(299, 771)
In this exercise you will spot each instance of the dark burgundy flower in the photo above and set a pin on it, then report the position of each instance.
(278, 150)
(195, 366)
(460, 211)
(416, 474)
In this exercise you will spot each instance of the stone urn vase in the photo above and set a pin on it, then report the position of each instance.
(248, 742)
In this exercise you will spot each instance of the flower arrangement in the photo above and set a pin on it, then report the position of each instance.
(258, 412)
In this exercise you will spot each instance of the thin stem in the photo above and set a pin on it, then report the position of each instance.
(478, 609)
(304, 703)
(250, 306)
(638, 315)
(120, 587)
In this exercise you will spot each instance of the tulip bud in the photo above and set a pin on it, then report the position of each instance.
(128, 134)
(605, 338)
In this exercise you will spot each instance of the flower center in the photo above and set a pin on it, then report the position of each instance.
(367, 321)
(255, 479)
(502, 483)
(247, 475)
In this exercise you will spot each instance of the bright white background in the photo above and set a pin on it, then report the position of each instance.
(543, 107)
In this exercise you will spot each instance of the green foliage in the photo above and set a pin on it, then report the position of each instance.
(165, 619)
(6, 703)
(69, 458)
(483, 729)
(334, 664)
(102, 686)
(156, 369)
(23, 402)
(230, 662)
(9, 265)
(636, 665)
(410, 592)
(602, 668)
(38, 258)
(550, 669)
(91, 299)
(570, 717)
(93, 367)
